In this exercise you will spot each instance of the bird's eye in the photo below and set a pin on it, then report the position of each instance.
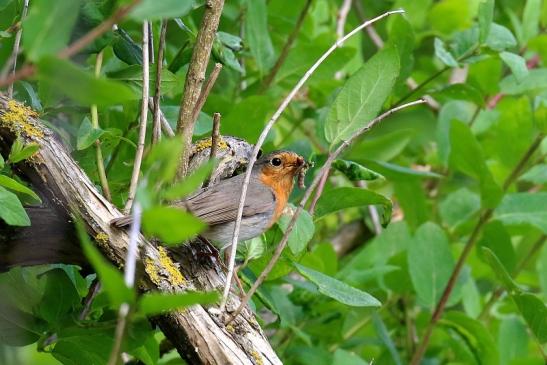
(276, 161)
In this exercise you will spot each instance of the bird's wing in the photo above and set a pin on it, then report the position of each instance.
(218, 204)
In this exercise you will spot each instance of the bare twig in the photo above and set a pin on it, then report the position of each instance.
(156, 130)
(320, 187)
(28, 69)
(342, 17)
(98, 151)
(215, 135)
(484, 218)
(129, 277)
(286, 48)
(323, 171)
(206, 90)
(264, 134)
(195, 77)
(16, 45)
(142, 125)
(373, 211)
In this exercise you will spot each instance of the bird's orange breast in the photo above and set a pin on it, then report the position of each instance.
(281, 185)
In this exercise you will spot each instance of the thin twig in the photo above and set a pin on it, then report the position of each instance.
(156, 130)
(142, 125)
(342, 18)
(28, 69)
(165, 126)
(94, 289)
(264, 134)
(129, 278)
(195, 77)
(16, 45)
(150, 43)
(98, 151)
(373, 211)
(286, 48)
(320, 187)
(324, 170)
(206, 90)
(215, 135)
(484, 218)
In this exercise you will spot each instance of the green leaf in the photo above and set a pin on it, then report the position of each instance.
(459, 206)
(443, 54)
(430, 264)
(382, 148)
(258, 35)
(87, 135)
(165, 9)
(517, 64)
(466, 155)
(496, 238)
(156, 303)
(338, 290)
(355, 172)
(18, 328)
(1, 162)
(500, 38)
(170, 224)
(383, 334)
(343, 357)
(498, 268)
(48, 27)
(20, 151)
(111, 278)
(190, 184)
(71, 80)
(362, 96)
(536, 175)
(393, 171)
(534, 312)
(14, 185)
(11, 210)
(530, 20)
(60, 297)
(126, 49)
(302, 232)
(342, 198)
(255, 108)
(527, 209)
(512, 340)
(475, 335)
(486, 16)
(536, 80)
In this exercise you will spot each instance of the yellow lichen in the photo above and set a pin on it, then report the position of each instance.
(102, 238)
(174, 275)
(230, 328)
(152, 270)
(207, 143)
(257, 357)
(164, 267)
(17, 118)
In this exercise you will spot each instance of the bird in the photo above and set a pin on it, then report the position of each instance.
(270, 185)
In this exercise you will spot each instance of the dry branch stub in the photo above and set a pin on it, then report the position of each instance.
(196, 332)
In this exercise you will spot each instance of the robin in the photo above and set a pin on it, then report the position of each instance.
(271, 183)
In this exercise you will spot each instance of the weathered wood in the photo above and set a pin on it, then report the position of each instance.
(197, 332)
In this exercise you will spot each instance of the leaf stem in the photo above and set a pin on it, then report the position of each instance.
(156, 129)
